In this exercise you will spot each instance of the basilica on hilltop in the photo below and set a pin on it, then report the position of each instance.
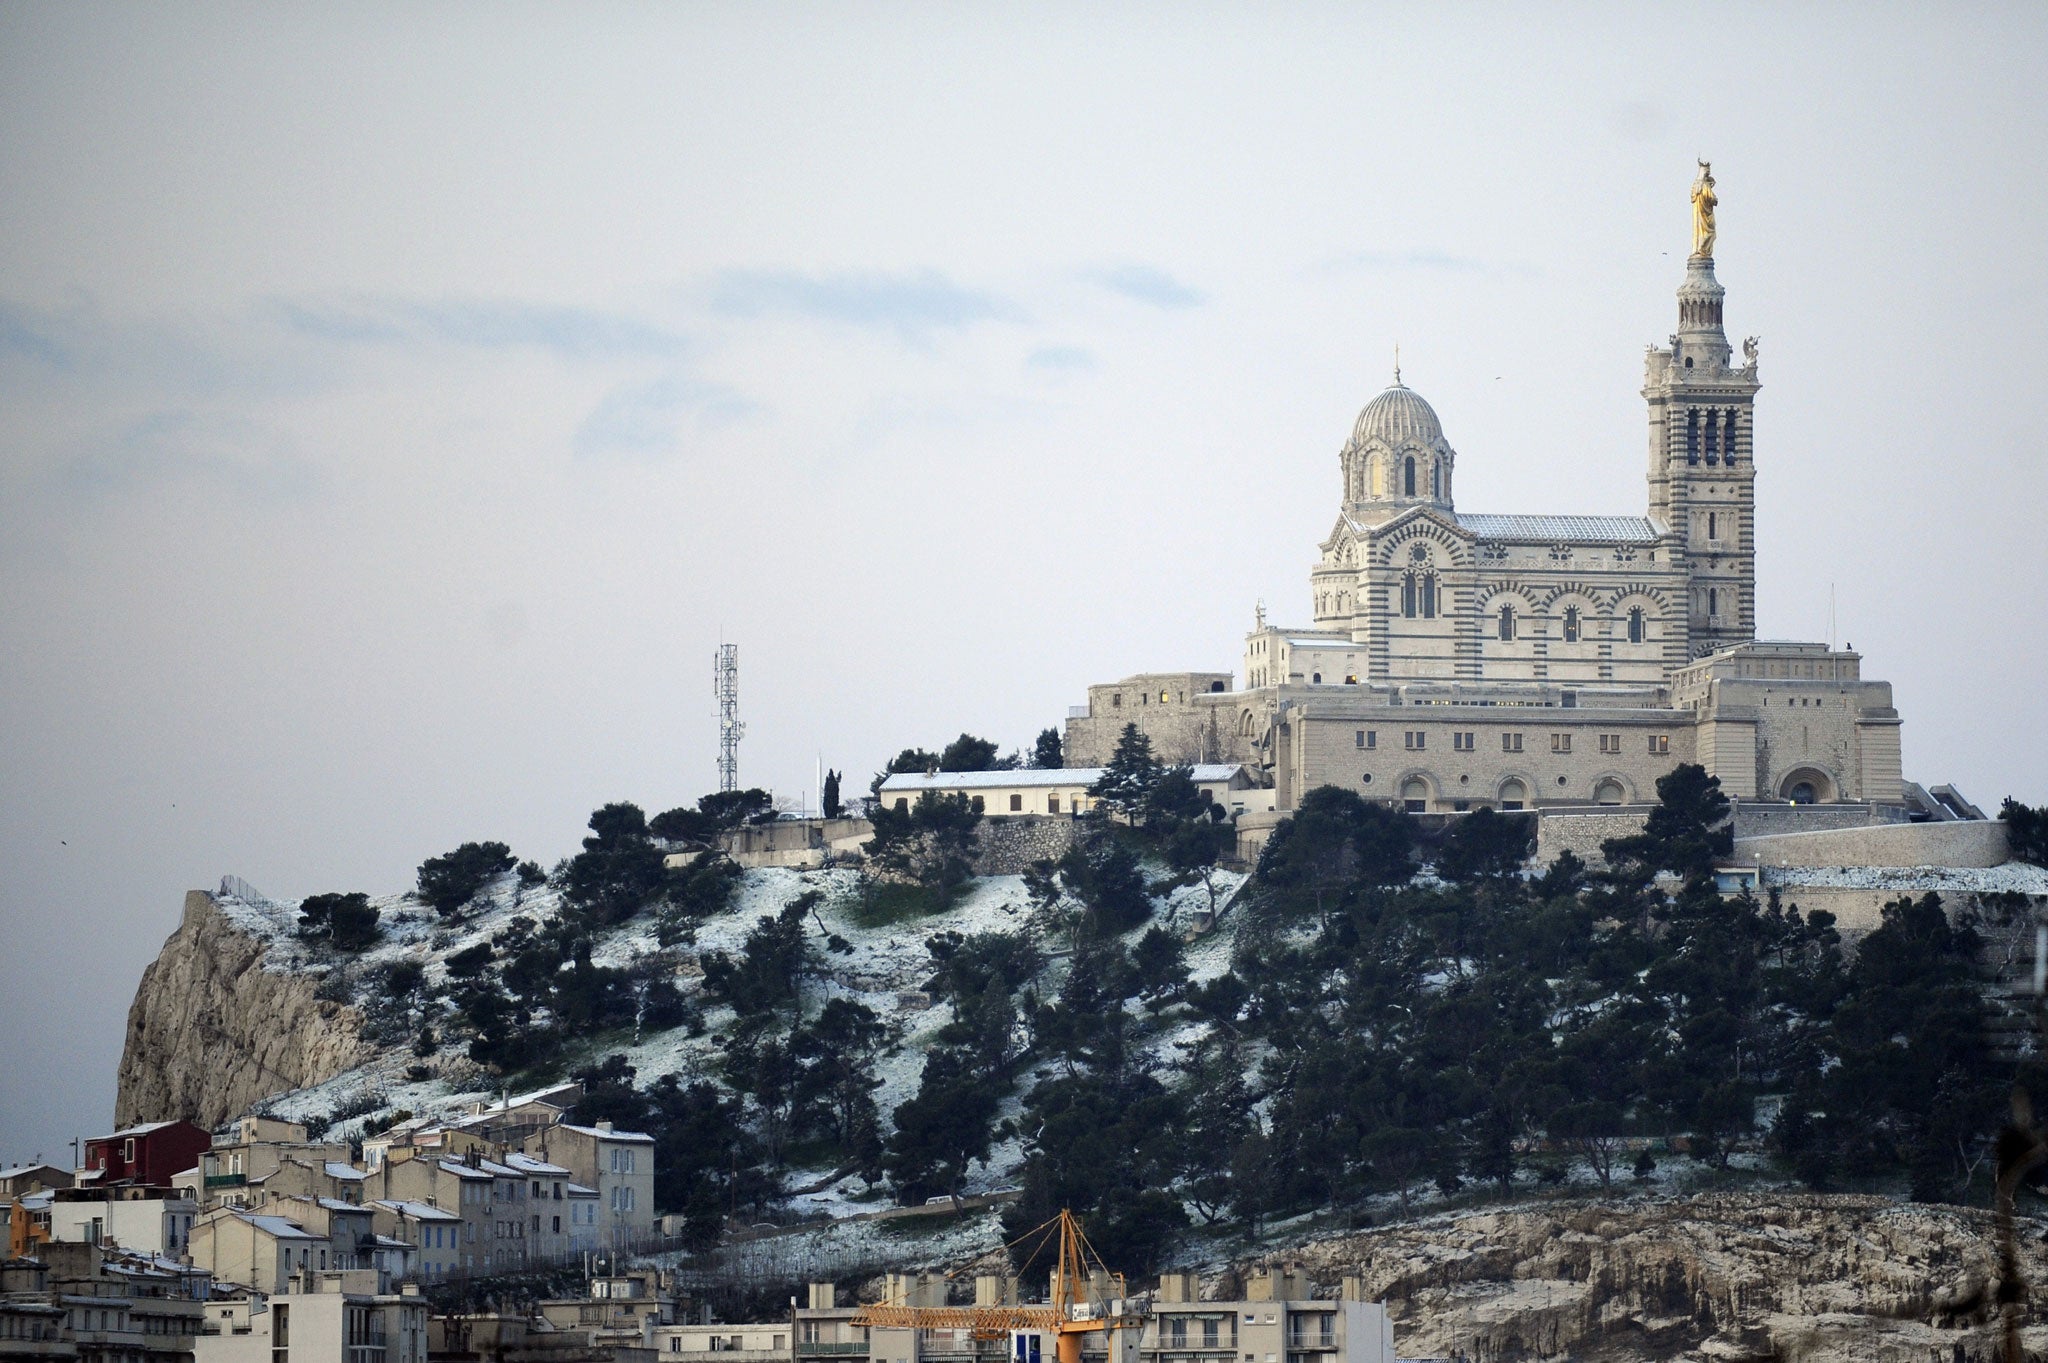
(1459, 660)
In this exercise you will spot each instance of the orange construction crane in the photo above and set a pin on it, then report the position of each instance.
(1068, 1317)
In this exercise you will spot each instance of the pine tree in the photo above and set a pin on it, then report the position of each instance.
(1128, 779)
(831, 799)
(1045, 753)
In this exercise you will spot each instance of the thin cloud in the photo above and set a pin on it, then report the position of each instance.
(645, 421)
(487, 324)
(1148, 284)
(1061, 359)
(912, 304)
(174, 446)
(23, 333)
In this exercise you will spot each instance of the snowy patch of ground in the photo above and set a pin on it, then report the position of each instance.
(2012, 876)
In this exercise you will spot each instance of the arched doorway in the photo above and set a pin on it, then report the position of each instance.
(1807, 786)
(1415, 795)
(1513, 794)
(1609, 792)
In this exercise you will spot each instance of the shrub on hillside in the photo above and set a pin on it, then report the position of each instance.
(451, 880)
(346, 922)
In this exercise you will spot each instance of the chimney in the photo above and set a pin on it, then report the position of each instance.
(605, 1126)
(823, 1296)
(1177, 1287)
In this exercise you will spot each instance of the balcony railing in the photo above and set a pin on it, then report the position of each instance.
(811, 1348)
(227, 1180)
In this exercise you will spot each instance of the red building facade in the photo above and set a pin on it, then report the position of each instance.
(153, 1153)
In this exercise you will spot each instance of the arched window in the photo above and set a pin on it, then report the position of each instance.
(1408, 476)
(1408, 595)
(1609, 792)
(1728, 443)
(1571, 624)
(1635, 624)
(1379, 479)
(1713, 525)
(1507, 624)
(1713, 603)
(1436, 488)
(1713, 440)
(1429, 596)
(1692, 437)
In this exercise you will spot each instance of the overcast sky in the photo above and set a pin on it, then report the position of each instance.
(397, 404)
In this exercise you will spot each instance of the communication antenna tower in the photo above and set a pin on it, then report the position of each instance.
(725, 684)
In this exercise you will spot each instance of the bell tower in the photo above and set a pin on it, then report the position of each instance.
(1702, 447)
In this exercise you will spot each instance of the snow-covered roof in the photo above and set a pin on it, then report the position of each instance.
(906, 782)
(527, 1164)
(578, 1190)
(418, 1211)
(609, 1135)
(1331, 641)
(461, 1170)
(279, 1227)
(1595, 529)
(143, 1130)
(386, 1242)
(345, 1171)
(18, 1170)
(335, 1204)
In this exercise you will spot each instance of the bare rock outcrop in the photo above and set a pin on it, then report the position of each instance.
(1805, 1278)
(212, 1032)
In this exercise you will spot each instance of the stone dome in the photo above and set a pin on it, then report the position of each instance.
(1396, 415)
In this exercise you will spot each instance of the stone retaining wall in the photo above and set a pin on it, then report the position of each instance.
(1582, 834)
(1008, 844)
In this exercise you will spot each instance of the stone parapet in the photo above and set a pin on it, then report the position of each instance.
(1963, 843)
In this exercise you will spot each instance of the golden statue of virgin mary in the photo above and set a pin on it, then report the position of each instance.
(1703, 201)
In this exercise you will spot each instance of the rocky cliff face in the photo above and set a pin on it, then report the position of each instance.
(1797, 1277)
(211, 1031)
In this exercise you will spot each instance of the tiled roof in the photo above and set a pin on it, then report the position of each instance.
(1592, 529)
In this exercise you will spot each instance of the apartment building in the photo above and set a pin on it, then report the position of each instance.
(619, 1165)
(95, 1304)
(333, 1317)
(1280, 1320)
(133, 1216)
